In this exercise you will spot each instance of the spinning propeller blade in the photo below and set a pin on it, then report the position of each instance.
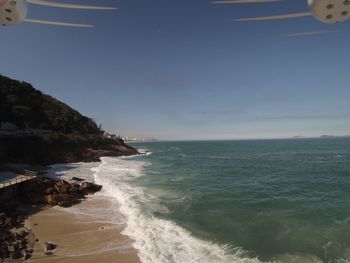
(243, 1)
(55, 23)
(278, 17)
(309, 33)
(63, 5)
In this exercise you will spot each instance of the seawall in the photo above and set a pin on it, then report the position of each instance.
(11, 189)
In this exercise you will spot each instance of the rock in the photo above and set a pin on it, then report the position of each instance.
(78, 179)
(50, 190)
(52, 199)
(16, 247)
(19, 219)
(11, 248)
(77, 191)
(8, 222)
(66, 200)
(10, 238)
(27, 256)
(13, 241)
(90, 188)
(21, 235)
(36, 198)
(50, 246)
(62, 183)
(24, 243)
(124, 149)
(62, 186)
(17, 254)
(16, 244)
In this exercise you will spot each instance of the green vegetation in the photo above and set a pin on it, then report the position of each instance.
(72, 136)
(28, 107)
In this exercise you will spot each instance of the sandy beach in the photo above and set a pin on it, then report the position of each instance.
(79, 237)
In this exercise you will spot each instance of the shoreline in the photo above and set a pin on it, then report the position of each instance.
(89, 238)
(79, 237)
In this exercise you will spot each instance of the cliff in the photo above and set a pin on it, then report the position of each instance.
(49, 131)
(28, 107)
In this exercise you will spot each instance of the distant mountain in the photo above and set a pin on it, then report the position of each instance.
(334, 136)
(298, 137)
(28, 107)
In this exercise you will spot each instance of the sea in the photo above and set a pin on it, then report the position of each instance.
(281, 201)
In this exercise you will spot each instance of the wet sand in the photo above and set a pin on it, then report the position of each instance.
(79, 238)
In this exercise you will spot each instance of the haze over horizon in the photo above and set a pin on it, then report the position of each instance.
(185, 70)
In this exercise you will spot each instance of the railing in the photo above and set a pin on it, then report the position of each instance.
(28, 175)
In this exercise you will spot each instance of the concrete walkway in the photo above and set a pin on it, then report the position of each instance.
(28, 175)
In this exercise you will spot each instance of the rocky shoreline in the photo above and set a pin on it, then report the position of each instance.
(16, 241)
(39, 130)
(48, 191)
(61, 148)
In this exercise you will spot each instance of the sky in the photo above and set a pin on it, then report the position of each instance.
(183, 69)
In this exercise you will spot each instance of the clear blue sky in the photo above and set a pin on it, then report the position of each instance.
(182, 69)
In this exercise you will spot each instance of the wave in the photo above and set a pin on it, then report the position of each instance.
(163, 241)
(144, 151)
(157, 240)
(67, 171)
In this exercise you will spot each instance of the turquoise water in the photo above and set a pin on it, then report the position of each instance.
(4, 178)
(275, 200)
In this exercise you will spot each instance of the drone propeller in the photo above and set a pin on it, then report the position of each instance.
(55, 23)
(243, 1)
(309, 33)
(278, 17)
(64, 5)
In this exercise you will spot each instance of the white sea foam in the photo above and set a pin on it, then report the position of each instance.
(144, 151)
(70, 170)
(157, 240)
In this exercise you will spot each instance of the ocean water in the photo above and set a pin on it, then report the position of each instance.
(234, 201)
(6, 176)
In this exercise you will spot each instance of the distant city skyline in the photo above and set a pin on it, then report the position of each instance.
(184, 70)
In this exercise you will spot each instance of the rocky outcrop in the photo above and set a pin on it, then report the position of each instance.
(45, 190)
(90, 188)
(61, 148)
(94, 155)
(13, 244)
(42, 191)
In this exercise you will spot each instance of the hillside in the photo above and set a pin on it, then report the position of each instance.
(28, 107)
(68, 137)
